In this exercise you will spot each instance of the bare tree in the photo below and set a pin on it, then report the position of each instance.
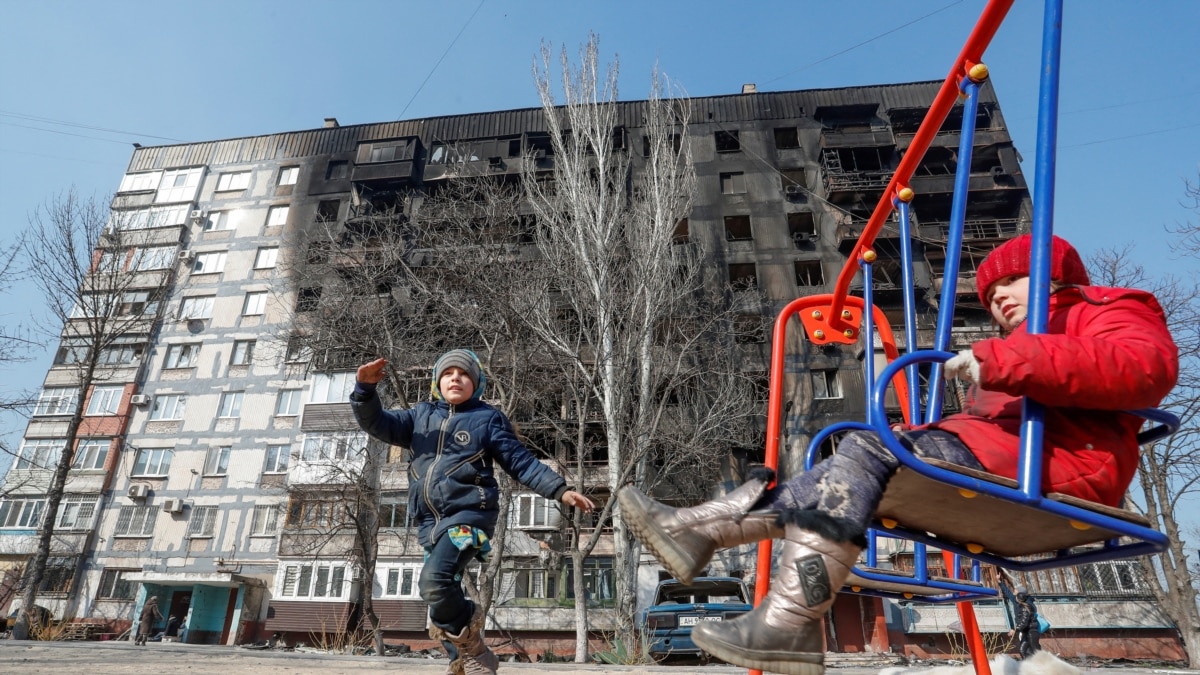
(407, 277)
(14, 344)
(1188, 231)
(643, 323)
(333, 512)
(102, 279)
(1169, 469)
(571, 285)
(345, 315)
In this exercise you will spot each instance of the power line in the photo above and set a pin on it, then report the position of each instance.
(48, 120)
(1125, 138)
(439, 61)
(65, 159)
(864, 42)
(65, 133)
(1126, 104)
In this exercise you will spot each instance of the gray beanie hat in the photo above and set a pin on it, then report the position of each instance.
(458, 358)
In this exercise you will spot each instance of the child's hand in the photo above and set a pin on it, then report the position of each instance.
(371, 373)
(964, 366)
(573, 498)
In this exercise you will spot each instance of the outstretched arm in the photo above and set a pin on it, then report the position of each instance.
(576, 499)
(394, 427)
(372, 373)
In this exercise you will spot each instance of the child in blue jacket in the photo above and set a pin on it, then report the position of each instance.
(453, 495)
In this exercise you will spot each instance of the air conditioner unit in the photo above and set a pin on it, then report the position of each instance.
(794, 190)
(138, 491)
(186, 255)
(198, 215)
(139, 399)
(172, 505)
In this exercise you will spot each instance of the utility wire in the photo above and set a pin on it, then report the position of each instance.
(6, 151)
(439, 61)
(864, 42)
(65, 133)
(1125, 138)
(48, 120)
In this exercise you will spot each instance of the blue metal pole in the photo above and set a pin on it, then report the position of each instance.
(1029, 471)
(868, 336)
(910, 311)
(958, 215)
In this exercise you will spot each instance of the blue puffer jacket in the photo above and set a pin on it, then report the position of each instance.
(451, 479)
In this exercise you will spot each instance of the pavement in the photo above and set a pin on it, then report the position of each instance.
(103, 658)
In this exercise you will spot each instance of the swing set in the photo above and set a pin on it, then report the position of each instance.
(967, 514)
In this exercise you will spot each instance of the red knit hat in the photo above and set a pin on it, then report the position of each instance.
(1012, 258)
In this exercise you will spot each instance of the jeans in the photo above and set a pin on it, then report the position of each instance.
(441, 586)
(850, 484)
(1030, 641)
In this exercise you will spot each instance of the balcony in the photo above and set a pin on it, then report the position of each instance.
(854, 181)
(975, 228)
(857, 137)
(386, 162)
(386, 172)
(976, 182)
(949, 138)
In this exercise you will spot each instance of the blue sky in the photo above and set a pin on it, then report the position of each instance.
(81, 80)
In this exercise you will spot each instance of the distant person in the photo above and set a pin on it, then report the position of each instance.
(173, 623)
(1106, 350)
(1026, 625)
(150, 616)
(455, 440)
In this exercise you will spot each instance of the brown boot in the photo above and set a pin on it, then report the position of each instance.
(474, 657)
(684, 540)
(784, 634)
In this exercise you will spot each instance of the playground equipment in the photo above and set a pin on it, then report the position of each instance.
(1008, 523)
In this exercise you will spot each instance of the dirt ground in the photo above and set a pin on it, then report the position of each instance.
(103, 658)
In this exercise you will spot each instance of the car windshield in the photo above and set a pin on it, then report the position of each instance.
(719, 591)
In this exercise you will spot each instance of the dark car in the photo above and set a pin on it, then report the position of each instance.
(38, 617)
(679, 606)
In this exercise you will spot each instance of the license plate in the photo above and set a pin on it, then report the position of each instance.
(693, 620)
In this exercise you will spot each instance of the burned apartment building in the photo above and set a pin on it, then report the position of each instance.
(202, 474)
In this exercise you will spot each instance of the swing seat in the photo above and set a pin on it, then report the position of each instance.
(901, 585)
(997, 526)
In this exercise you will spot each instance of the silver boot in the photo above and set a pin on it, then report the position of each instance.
(784, 634)
(474, 657)
(684, 540)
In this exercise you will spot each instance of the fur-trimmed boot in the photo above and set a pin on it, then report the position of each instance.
(474, 657)
(784, 634)
(684, 540)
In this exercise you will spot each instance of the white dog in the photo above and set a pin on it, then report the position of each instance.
(1041, 663)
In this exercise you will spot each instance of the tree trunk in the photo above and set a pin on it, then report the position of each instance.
(581, 609)
(37, 569)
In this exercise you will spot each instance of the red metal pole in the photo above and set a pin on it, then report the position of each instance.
(971, 54)
(970, 627)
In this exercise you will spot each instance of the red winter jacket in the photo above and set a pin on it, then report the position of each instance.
(1106, 349)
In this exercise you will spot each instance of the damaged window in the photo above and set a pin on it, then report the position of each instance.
(737, 228)
(743, 276)
(809, 273)
(727, 141)
(786, 138)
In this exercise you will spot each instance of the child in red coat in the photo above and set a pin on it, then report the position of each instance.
(1105, 350)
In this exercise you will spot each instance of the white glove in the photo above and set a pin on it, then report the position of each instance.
(964, 367)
